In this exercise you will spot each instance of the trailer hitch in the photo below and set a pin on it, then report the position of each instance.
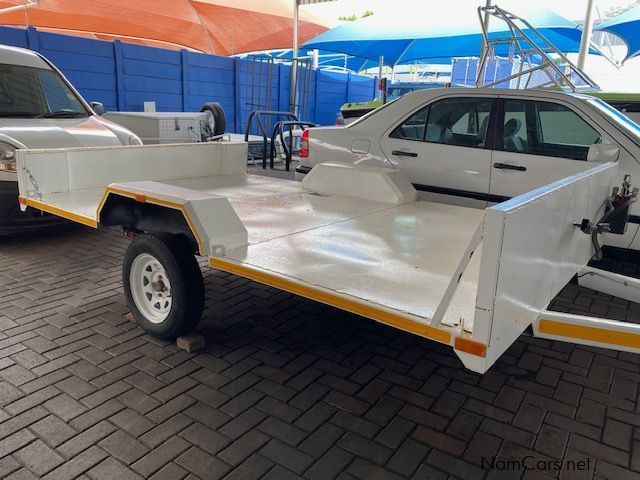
(615, 217)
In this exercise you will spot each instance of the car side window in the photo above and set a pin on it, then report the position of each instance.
(413, 127)
(459, 121)
(545, 128)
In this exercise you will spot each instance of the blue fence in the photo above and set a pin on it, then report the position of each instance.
(123, 76)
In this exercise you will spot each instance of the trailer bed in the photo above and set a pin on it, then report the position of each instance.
(333, 242)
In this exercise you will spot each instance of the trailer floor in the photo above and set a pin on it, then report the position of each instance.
(285, 388)
(335, 244)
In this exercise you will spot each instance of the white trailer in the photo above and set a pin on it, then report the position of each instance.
(352, 237)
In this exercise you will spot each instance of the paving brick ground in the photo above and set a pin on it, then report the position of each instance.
(286, 388)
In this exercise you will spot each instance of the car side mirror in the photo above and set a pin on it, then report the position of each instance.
(97, 107)
(603, 152)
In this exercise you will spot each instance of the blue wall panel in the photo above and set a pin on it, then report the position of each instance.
(87, 63)
(123, 76)
(209, 78)
(332, 90)
(16, 37)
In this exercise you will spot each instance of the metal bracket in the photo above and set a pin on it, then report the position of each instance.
(34, 182)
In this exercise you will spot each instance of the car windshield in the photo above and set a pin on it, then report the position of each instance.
(399, 91)
(29, 92)
(619, 118)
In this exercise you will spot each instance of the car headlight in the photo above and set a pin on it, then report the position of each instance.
(135, 140)
(7, 157)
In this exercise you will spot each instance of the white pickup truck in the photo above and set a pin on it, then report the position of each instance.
(477, 147)
(39, 108)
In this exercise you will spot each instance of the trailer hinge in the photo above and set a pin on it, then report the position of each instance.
(615, 218)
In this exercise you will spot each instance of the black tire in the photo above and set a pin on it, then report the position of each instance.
(219, 119)
(176, 256)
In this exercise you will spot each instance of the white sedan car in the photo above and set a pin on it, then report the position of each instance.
(475, 147)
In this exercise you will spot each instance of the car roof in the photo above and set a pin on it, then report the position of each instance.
(427, 94)
(21, 56)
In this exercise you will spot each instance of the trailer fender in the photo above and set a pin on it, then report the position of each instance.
(210, 219)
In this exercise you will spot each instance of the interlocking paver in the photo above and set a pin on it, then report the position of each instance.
(123, 447)
(160, 456)
(38, 457)
(53, 430)
(77, 465)
(111, 469)
(202, 464)
(85, 439)
(330, 465)
(285, 388)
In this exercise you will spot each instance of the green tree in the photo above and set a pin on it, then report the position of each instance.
(615, 11)
(354, 17)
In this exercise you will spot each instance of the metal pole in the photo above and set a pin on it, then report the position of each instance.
(587, 30)
(27, 4)
(294, 63)
(485, 24)
(380, 74)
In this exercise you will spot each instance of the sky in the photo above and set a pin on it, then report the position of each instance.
(571, 9)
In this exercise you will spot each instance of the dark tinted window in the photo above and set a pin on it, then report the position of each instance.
(31, 92)
(459, 121)
(413, 127)
(544, 128)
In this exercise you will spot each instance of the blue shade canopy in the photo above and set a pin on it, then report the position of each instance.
(412, 36)
(627, 27)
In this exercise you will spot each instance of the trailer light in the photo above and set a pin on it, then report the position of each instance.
(469, 346)
(7, 157)
(304, 144)
(7, 166)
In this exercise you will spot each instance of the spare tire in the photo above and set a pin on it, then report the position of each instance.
(219, 121)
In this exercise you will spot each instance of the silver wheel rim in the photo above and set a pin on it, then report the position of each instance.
(150, 288)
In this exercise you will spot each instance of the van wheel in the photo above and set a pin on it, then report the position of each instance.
(163, 284)
(217, 113)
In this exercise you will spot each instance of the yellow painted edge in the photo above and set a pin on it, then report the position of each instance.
(327, 298)
(82, 219)
(155, 201)
(593, 334)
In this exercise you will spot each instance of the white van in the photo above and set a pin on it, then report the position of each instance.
(39, 108)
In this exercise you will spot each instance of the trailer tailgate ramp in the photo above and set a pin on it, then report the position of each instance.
(531, 250)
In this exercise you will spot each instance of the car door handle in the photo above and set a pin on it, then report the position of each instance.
(507, 166)
(401, 153)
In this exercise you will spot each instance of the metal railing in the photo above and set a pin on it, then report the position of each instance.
(262, 120)
(278, 131)
(536, 54)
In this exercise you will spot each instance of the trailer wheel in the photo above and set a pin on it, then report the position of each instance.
(217, 113)
(163, 284)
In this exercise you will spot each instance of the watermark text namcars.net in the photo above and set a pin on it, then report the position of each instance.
(529, 462)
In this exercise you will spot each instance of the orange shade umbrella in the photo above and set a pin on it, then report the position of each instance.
(223, 27)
